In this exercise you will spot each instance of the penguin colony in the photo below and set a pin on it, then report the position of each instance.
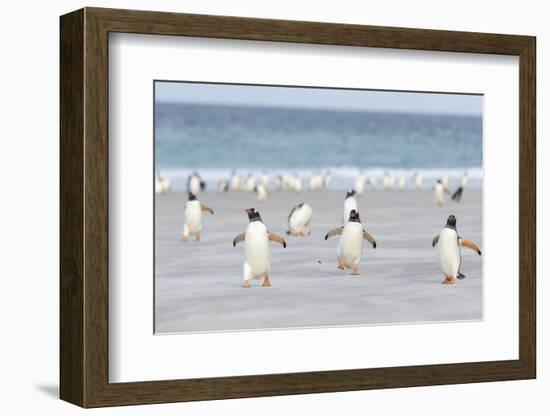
(352, 233)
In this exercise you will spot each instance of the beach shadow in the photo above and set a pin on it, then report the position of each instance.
(51, 390)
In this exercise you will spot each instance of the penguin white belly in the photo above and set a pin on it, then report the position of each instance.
(262, 193)
(300, 218)
(349, 205)
(256, 249)
(360, 185)
(193, 216)
(195, 185)
(449, 252)
(350, 246)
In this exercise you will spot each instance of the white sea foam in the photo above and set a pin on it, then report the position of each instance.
(342, 177)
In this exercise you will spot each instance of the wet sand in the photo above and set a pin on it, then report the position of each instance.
(198, 284)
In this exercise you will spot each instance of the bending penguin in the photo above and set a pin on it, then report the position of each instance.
(193, 217)
(256, 248)
(350, 203)
(450, 257)
(299, 220)
(350, 246)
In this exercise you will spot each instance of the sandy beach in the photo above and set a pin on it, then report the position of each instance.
(198, 284)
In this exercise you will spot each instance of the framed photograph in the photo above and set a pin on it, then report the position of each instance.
(255, 207)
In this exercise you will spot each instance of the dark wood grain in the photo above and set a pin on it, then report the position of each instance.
(84, 207)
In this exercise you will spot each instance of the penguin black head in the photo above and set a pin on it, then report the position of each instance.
(253, 215)
(354, 216)
(451, 221)
(191, 196)
(350, 193)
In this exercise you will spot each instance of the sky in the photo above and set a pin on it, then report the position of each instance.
(321, 98)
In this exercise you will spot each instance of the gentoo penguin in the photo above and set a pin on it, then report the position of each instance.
(439, 190)
(250, 183)
(372, 182)
(278, 182)
(401, 183)
(464, 180)
(296, 183)
(387, 182)
(360, 182)
(457, 195)
(264, 180)
(350, 246)
(162, 185)
(350, 203)
(261, 192)
(316, 182)
(193, 217)
(445, 182)
(449, 251)
(195, 184)
(223, 186)
(417, 181)
(327, 179)
(256, 248)
(299, 220)
(235, 182)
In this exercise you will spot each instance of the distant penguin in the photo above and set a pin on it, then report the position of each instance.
(327, 179)
(401, 183)
(256, 249)
(261, 192)
(387, 182)
(445, 182)
(417, 181)
(439, 191)
(350, 246)
(449, 254)
(360, 182)
(350, 203)
(457, 195)
(464, 180)
(223, 186)
(235, 182)
(299, 220)
(195, 184)
(193, 217)
(296, 183)
(316, 182)
(250, 183)
(278, 182)
(373, 182)
(264, 180)
(162, 185)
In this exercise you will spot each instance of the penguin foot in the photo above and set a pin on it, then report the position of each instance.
(266, 282)
(449, 280)
(198, 237)
(184, 238)
(341, 266)
(246, 284)
(355, 271)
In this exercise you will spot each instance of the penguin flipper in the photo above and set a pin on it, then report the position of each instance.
(333, 232)
(238, 239)
(369, 238)
(435, 240)
(277, 238)
(469, 244)
(206, 208)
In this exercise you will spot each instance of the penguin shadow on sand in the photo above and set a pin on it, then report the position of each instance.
(449, 244)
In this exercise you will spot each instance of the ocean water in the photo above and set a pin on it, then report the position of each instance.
(215, 140)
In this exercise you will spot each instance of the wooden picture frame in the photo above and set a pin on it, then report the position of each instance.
(84, 207)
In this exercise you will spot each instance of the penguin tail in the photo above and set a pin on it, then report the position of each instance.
(460, 276)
